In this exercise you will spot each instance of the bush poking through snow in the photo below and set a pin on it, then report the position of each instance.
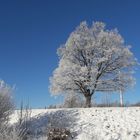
(13, 133)
(59, 134)
(40, 126)
(24, 121)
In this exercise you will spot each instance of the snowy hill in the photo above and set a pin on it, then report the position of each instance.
(90, 123)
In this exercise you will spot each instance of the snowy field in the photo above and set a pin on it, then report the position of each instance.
(91, 123)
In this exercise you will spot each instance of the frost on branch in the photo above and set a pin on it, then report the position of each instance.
(92, 60)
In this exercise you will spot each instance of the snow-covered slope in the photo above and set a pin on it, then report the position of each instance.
(92, 123)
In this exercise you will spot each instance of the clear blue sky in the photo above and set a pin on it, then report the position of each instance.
(32, 30)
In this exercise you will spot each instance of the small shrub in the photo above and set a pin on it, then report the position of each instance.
(59, 134)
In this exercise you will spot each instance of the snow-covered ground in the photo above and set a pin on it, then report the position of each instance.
(92, 123)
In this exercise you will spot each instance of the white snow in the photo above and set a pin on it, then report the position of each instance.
(93, 123)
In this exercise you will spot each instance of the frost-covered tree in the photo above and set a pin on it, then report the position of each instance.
(93, 59)
(72, 101)
(6, 108)
(6, 102)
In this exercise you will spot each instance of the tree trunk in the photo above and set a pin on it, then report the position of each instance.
(88, 101)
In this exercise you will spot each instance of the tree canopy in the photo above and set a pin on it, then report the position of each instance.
(93, 59)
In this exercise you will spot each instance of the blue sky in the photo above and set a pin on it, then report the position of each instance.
(32, 30)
